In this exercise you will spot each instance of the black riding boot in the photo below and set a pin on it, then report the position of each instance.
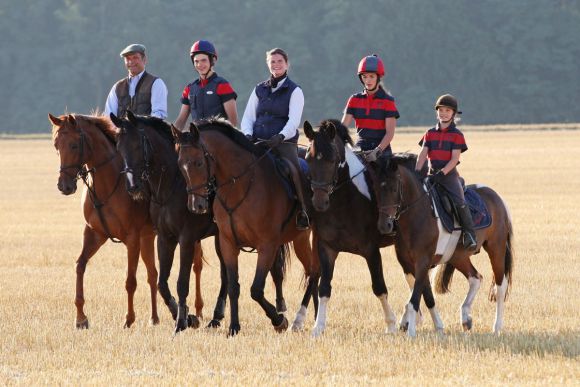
(302, 221)
(469, 240)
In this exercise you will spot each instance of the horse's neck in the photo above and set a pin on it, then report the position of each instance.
(101, 150)
(165, 169)
(413, 192)
(231, 160)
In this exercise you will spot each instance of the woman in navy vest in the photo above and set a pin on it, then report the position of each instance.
(273, 114)
(210, 95)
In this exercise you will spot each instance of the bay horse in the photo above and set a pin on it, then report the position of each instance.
(87, 151)
(251, 208)
(345, 219)
(403, 201)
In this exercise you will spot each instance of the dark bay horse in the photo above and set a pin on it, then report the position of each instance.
(345, 219)
(153, 177)
(403, 200)
(87, 150)
(251, 208)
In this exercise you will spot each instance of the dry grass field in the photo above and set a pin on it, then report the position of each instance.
(536, 172)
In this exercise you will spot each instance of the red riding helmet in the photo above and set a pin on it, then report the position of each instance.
(203, 47)
(371, 64)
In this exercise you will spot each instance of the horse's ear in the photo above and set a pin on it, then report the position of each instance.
(308, 131)
(131, 117)
(194, 132)
(116, 120)
(72, 120)
(55, 120)
(330, 129)
(176, 133)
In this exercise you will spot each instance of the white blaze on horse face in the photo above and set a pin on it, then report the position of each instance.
(390, 317)
(320, 324)
(474, 284)
(500, 292)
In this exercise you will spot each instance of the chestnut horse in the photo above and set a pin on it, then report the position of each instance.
(403, 202)
(251, 208)
(87, 150)
(346, 219)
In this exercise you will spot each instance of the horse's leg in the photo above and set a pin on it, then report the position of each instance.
(461, 262)
(375, 266)
(306, 256)
(266, 256)
(277, 273)
(92, 241)
(184, 319)
(147, 242)
(410, 278)
(220, 306)
(165, 250)
(197, 267)
(421, 276)
(327, 257)
(430, 302)
(133, 248)
(230, 253)
(500, 254)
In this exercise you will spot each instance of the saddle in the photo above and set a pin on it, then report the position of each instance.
(283, 172)
(448, 213)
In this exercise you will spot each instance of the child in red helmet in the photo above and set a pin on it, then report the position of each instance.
(210, 95)
(374, 110)
(442, 146)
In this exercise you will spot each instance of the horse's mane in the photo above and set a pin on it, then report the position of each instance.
(225, 128)
(159, 125)
(321, 143)
(406, 159)
(103, 123)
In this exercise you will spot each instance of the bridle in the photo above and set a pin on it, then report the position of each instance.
(209, 185)
(384, 209)
(80, 166)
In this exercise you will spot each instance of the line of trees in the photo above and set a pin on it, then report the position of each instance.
(507, 61)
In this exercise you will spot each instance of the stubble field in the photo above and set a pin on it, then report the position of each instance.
(536, 172)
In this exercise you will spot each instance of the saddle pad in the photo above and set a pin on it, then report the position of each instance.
(356, 169)
(281, 169)
(479, 212)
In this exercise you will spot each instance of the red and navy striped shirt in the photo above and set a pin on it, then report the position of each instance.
(440, 144)
(224, 90)
(370, 111)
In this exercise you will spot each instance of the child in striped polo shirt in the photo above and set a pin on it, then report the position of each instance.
(442, 146)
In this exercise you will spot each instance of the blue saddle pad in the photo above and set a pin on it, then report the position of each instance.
(479, 212)
(286, 180)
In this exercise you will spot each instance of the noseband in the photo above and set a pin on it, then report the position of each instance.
(384, 208)
(147, 149)
(327, 187)
(210, 184)
(80, 166)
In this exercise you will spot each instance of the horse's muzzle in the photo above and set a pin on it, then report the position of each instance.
(320, 200)
(386, 225)
(67, 187)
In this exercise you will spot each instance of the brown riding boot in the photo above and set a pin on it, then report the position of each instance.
(469, 239)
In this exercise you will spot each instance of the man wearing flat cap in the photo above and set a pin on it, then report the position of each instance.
(140, 92)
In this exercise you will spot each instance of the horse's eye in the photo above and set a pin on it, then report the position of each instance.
(74, 146)
(198, 164)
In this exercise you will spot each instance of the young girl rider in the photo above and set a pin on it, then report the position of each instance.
(210, 95)
(442, 146)
(374, 110)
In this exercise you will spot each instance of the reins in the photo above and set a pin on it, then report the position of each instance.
(83, 173)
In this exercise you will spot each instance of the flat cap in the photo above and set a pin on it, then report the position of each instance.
(133, 48)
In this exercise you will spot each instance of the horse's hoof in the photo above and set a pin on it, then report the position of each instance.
(83, 324)
(391, 329)
(154, 320)
(297, 326)
(214, 324)
(233, 331)
(129, 322)
(317, 332)
(199, 314)
(404, 327)
(283, 326)
(467, 325)
(440, 332)
(192, 321)
(180, 325)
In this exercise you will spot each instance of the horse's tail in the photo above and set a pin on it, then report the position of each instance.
(443, 278)
(283, 259)
(508, 257)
